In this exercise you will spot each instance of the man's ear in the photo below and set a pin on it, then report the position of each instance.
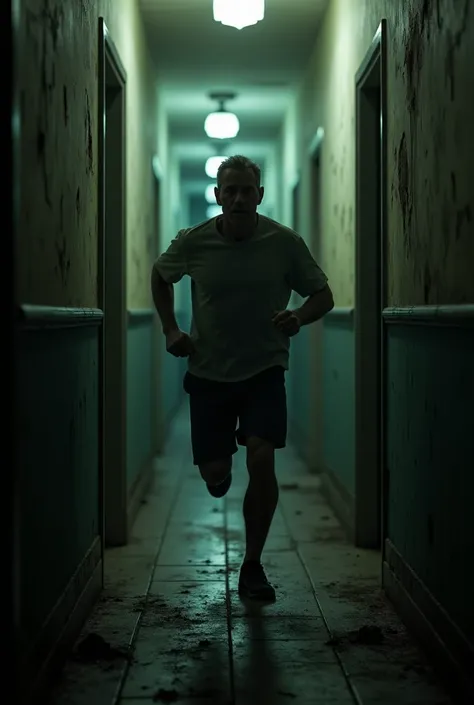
(218, 196)
(261, 191)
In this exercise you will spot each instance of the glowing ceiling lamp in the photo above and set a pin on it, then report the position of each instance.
(239, 13)
(209, 194)
(212, 165)
(221, 124)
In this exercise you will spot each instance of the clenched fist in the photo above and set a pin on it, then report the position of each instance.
(179, 343)
(287, 321)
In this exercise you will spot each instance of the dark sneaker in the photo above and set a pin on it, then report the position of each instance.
(253, 583)
(221, 489)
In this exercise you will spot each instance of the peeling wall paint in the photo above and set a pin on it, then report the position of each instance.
(430, 145)
(59, 168)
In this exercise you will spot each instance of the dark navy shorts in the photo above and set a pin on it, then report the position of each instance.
(226, 413)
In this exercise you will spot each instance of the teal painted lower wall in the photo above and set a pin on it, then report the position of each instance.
(298, 385)
(338, 392)
(172, 373)
(58, 417)
(139, 391)
(430, 460)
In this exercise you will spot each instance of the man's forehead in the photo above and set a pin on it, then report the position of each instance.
(238, 177)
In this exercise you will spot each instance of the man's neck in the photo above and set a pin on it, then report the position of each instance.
(229, 230)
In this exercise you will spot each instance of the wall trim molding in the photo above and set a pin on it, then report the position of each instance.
(343, 314)
(340, 499)
(137, 315)
(138, 491)
(32, 316)
(446, 646)
(460, 315)
(63, 625)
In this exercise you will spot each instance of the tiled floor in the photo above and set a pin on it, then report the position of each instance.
(179, 633)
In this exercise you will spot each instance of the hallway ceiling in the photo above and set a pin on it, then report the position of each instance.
(195, 55)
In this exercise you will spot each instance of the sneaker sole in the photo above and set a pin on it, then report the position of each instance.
(262, 596)
(221, 490)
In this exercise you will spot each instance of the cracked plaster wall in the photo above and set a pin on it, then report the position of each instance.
(430, 144)
(59, 162)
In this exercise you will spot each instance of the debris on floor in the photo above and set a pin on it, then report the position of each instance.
(94, 648)
(166, 696)
(368, 635)
(195, 642)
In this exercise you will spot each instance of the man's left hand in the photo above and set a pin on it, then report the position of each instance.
(287, 321)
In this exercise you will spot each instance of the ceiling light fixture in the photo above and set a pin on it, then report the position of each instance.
(221, 124)
(212, 165)
(239, 13)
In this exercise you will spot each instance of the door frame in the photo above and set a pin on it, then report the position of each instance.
(295, 188)
(157, 344)
(315, 152)
(11, 13)
(113, 490)
(370, 297)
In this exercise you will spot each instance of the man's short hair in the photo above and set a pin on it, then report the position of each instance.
(239, 163)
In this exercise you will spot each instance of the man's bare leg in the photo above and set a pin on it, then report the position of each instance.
(260, 502)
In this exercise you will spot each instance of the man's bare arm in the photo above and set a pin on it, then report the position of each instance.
(315, 307)
(163, 298)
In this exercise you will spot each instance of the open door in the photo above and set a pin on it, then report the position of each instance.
(371, 195)
(112, 289)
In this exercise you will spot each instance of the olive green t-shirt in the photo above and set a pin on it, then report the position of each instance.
(237, 286)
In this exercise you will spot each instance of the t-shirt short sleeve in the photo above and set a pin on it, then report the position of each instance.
(172, 263)
(304, 276)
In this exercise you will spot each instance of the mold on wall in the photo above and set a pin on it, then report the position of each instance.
(58, 74)
(430, 113)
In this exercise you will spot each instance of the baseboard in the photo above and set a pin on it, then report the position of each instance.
(340, 500)
(445, 645)
(138, 491)
(61, 628)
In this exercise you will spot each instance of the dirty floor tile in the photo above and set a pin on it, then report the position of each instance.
(172, 627)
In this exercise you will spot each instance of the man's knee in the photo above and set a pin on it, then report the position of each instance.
(260, 456)
(215, 471)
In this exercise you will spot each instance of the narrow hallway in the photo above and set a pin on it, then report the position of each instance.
(169, 626)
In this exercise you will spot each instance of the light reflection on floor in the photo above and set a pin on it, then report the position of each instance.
(181, 634)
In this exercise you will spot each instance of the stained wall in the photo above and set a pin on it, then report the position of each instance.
(430, 147)
(57, 262)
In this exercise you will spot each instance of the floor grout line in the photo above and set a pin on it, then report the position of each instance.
(136, 629)
(229, 610)
(351, 687)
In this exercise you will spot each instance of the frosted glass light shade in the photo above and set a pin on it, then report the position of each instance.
(209, 194)
(239, 13)
(212, 165)
(221, 125)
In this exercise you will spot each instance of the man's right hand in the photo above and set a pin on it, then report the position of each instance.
(179, 343)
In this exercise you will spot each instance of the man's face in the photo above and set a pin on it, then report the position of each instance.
(239, 196)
